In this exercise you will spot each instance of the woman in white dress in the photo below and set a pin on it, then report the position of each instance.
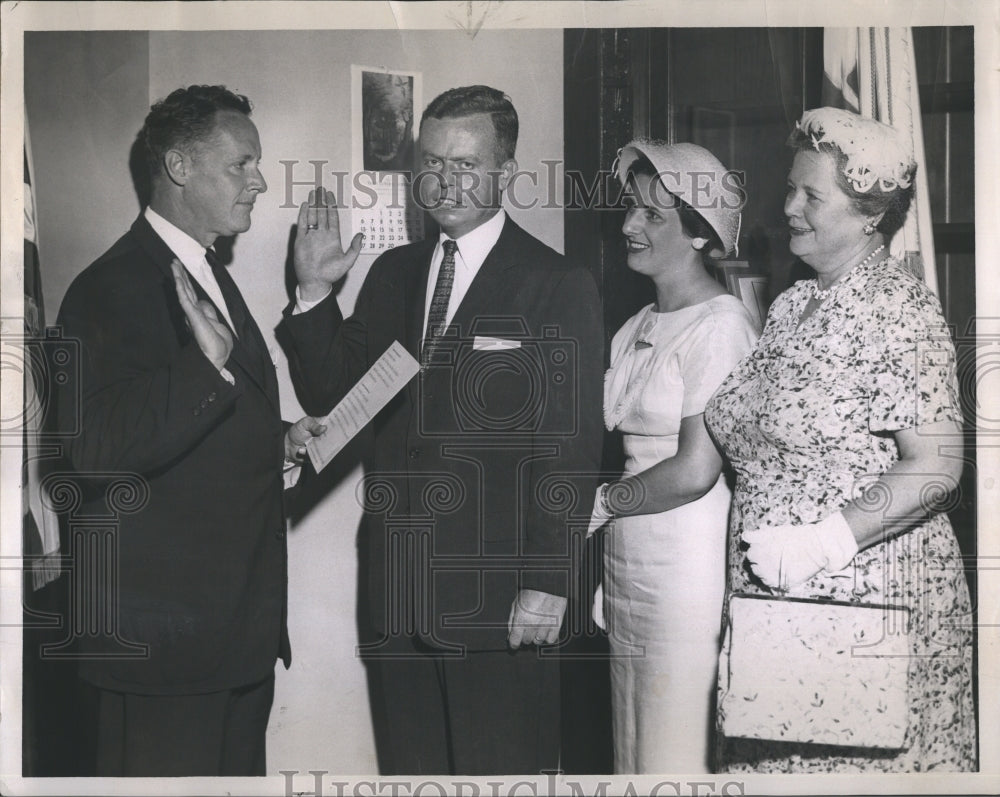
(664, 563)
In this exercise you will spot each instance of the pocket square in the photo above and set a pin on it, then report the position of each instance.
(485, 343)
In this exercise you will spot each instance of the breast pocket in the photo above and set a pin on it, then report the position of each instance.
(499, 390)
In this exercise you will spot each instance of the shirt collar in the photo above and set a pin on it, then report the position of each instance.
(475, 245)
(188, 250)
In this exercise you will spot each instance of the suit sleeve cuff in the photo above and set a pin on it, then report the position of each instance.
(552, 582)
(305, 305)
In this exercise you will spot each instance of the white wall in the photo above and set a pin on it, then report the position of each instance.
(86, 94)
(299, 83)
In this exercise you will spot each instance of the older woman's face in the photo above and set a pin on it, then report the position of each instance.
(826, 229)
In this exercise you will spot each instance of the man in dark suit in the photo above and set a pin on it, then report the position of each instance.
(179, 398)
(477, 465)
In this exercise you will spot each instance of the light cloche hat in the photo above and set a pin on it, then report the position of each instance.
(695, 175)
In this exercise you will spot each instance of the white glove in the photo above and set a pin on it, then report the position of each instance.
(786, 556)
(597, 610)
(601, 513)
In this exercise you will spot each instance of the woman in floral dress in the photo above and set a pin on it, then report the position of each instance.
(664, 562)
(844, 428)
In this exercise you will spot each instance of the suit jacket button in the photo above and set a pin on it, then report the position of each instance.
(211, 396)
(414, 453)
(196, 411)
(203, 403)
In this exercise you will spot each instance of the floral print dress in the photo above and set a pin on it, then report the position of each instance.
(807, 421)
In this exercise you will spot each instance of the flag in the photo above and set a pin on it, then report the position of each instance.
(873, 72)
(41, 524)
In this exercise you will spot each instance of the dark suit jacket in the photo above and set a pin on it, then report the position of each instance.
(201, 560)
(479, 463)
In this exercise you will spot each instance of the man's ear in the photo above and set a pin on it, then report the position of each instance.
(177, 166)
(507, 171)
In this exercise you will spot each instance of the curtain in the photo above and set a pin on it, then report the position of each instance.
(872, 71)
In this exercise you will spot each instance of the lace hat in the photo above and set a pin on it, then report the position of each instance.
(876, 153)
(695, 175)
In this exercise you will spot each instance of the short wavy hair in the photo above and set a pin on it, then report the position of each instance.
(892, 204)
(470, 100)
(184, 118)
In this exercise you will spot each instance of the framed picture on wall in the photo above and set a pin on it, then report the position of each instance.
(750, 287)
(727, 270)
(752, 290)
(387, 100)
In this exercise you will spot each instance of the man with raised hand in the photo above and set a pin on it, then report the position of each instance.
(467, 536)
(180, 395)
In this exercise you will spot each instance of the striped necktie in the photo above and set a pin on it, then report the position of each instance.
(438, 315)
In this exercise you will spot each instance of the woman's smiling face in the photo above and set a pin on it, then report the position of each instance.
(826, 228)
(654, 237)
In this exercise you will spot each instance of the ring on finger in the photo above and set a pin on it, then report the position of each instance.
(312, 226)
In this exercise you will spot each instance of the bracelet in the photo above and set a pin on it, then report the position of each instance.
(603, 500)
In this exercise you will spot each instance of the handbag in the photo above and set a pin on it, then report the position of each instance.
(822, 672)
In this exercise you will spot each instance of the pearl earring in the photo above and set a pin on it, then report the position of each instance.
(868, 229)
(699, 243)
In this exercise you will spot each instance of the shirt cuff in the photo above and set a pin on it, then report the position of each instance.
(291, 474)
(304, 305)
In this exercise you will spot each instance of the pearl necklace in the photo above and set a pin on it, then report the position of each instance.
(819, 294)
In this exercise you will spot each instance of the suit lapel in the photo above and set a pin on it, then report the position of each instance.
(250, 348)
(491, 283)
(255, 364)
(415, 297)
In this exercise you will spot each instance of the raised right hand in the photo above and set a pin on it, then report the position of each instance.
(212, 335)
(320, 259)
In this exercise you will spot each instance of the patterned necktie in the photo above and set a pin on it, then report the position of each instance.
(438, 314)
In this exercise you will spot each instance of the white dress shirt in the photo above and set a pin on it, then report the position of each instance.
(473, 248)
(192, 255)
